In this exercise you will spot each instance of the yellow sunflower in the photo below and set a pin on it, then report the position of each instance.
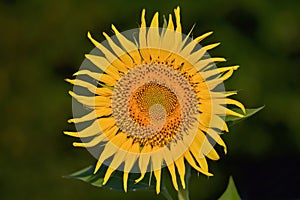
(155, 99)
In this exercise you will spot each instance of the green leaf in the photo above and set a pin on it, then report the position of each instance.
(230, 192)
(115, 181)
(231, 120)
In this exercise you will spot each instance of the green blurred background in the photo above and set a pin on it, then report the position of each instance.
(43, 42)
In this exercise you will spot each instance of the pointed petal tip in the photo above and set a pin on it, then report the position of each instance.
(67, 80)
(70, 121)
(73, 134)
(209, 33)
(176, 187)
(71, 93)
(89, 35)
(140, 178)
(157, 190)
(105, 35)
(183, 185)
(76, 144)
(97, 168)
(225, 150)
(94, 172)
(125, 179)
(115, 29)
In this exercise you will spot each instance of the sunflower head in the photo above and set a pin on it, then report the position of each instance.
(152, 97)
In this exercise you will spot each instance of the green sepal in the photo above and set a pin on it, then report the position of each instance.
(231, 192)
(232, 120)
(115, 181)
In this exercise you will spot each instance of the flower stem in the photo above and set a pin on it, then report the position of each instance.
(183, 194)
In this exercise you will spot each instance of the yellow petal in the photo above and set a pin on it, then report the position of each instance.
(96, 140)
(215, 136)
(178, 148)
(95, 128)
(224, 101)
(106, 123)
(143, 39)
(167, 41)
(91, 130)
(110, 133)
(203, 163)
(181, 170)
(170, 164)
(108, 173)
(201, 64)
(202, 37)
(132, 156)
(110, 149)
(217, 71)
(144, 159)
(212, 154)
(90, 116)
(124, 57)
(201, 94)
(232, 113)
(157, 174)
(200, 160)
(104, 65)
(153, 38)
(125, 180)
(109, 56)
(99, 112)
(103, 111)
(190, 46)
(171, 168)
(230, 93)
(170, 23)
(118, 158)
(227, 75)
(211, 46)
(178, 37)
(157, 158)
(108, 80)
(91, 101)
(213, 121)
(94, 75)
(192, 162)
(177, 16)
(196, 56)
(92, 88)
(129, 46)
(237, 103)
(143, 21)
(104, 92)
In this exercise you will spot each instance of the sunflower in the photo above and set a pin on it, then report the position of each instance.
(155, 99)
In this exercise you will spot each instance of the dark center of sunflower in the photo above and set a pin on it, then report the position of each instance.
(156, 106)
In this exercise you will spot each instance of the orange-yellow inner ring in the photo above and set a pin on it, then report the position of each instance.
(139, 104)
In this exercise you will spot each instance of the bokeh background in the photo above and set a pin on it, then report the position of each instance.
(43, 42)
